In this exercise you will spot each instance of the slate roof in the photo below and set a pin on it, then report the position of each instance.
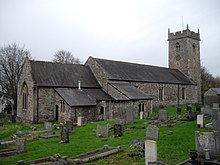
(125, 71)
(212, 92)
(131, 92)
(84, 97)
(62, 75)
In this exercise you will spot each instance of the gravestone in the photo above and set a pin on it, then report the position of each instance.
(69, 125)
(179, 109)
(81, 121)
(217, 142)
(216, 119)
(141, 115)
(102, 131)
(152, 133)
(20, 145)
(205, 140)
(118, 130)
(200, 121)
(48, 125)
(198, 108)
(189, 108)
(119, 121)
(129, 116)
(215, 105)
(192, 116)
(64, 135)
(150, 151)
(163, 115)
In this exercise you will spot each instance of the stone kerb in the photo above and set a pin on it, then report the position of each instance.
(20, 145)
(48, 125)
(152, 133)
(102, 131)
(150, 151)
(200, 121)
(163, 115)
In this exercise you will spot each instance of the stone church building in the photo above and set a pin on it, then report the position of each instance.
(104, 89)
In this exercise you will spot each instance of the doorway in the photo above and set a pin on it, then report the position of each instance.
(57, 113)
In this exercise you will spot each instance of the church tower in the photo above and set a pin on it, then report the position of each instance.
(184, 55)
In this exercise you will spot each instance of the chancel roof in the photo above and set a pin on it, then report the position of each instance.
(125, 71)
(62, 75)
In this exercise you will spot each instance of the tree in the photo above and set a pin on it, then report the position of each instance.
(63, 56)
(11, 60)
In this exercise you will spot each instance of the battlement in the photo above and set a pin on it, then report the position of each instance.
(183, 34)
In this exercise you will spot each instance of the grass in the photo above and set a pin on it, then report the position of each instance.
(172, 149)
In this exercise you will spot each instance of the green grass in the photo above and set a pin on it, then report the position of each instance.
(172, 149)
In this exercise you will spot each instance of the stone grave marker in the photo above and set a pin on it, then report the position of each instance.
(198, 108)
(216, 119)
(129, 116)
(189, 108)
(118, 130)
(200, 121)
(64, 135)
(69, 125)
(192, 116)
(152, 133)
(205, 140)
(48, 125)
(119, 121)
(102, 131)
(215, 105)
(163, 115)
(141, 115)
(150, 151)
(179, 109)
(81, 121)
(20, 145)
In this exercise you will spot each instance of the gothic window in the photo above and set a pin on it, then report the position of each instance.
(25, 96)
(177, 46)
(183, 93)
(161, 94)
(62, 106)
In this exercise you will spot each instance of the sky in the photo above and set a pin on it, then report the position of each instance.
(124, 30)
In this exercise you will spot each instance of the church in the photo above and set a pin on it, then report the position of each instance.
(104, 89)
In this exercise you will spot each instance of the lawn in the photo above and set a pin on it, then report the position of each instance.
(172, 149)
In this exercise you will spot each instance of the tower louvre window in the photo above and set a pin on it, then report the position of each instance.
(177, 45)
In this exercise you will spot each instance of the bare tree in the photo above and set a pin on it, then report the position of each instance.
(11, 60)
(63, 56)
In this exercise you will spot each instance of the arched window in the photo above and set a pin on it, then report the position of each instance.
(177, 45)
(25, 96)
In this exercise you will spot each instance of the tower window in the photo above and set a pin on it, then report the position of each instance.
(194, 47)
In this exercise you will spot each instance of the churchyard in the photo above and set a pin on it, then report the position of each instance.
(174, 137)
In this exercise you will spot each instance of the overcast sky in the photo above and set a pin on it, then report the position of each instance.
(125, 30)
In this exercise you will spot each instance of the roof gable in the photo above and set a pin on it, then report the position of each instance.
(62, 75)
(125, 71)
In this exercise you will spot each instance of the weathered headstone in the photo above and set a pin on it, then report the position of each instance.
(198, 108)
(20, 145)
(102, 131)
(64, 135)
(48, 125)
(141, 115)
(152, 133)
(189, 108)
(81, 121)
(200, 121)
(150, 151)
(215, 105)
(69, 125)
(118, 130)
(129, 116)
(192, 116)
(119, 121)
(205, 140)
(216, 119)
(163, 115)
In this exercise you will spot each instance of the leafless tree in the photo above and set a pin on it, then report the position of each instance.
(63, 56)
(11, 60)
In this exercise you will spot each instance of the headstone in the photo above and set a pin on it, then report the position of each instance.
(152, 133)
(189, 108)
(64, 135)
(69, 125)
(48, 125)
(215, 105)
(198, 108)
(129, 116)
(118, 130)
(205, 140)
(163, 115)
(102, 131)
(141, 115)
(216, 119)
(192, 116)
(150, 151)
(200, 121)
(81, 121)
(20, 145)
(119, 121)
(179, 109)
